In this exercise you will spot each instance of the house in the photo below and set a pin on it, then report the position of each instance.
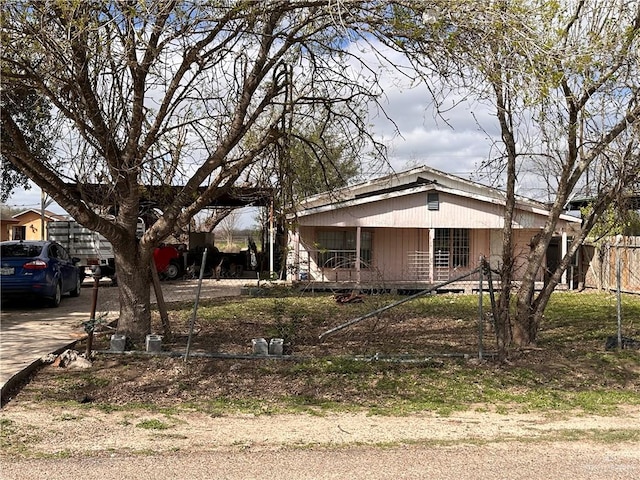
(6, 224)
(28, 224)
(412, 229)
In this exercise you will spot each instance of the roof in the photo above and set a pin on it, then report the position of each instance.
(48, 214)
(419, 179)
(161, 195)
(632, 199)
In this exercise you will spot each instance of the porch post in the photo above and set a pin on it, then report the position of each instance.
(564, 252)
(294, 242)
(432, 253)
(358, 233)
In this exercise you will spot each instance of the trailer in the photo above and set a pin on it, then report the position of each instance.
(94, 250)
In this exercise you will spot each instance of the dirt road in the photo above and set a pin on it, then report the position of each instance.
(548, 461)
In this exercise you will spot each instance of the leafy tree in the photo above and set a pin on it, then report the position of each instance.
(33, 113)
(171, 93)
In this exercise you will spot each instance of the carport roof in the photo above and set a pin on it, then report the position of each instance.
(161, 195)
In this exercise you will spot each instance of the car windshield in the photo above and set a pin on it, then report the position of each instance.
(13, 250)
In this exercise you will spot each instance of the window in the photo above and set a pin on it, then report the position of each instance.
(56, 251)
(433, 201)
(20, 232)
(453, 244)
(337, 248)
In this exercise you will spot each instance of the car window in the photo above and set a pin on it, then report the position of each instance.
(14, 250)
(53, 251)
(62, 253)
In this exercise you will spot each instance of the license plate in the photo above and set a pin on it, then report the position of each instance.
(7, 271)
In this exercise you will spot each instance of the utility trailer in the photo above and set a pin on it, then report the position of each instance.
(93, 249)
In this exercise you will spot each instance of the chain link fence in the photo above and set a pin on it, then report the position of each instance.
(612, 266)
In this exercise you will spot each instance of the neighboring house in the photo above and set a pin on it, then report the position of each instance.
(412, 229)
(5, 227)
(29, 224)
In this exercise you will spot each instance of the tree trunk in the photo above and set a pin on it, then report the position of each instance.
(504, 114)
(525, 326)
(134, 292)
(527, 317)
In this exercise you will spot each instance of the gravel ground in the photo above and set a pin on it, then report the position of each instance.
(549, 461)
(63, 442)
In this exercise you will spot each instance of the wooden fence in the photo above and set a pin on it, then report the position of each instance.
(601, 261)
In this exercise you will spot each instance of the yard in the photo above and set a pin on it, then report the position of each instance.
(420, 358)
(420, 355)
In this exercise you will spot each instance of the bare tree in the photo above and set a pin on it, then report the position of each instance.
(228, 225)
(172, 93)
(564, 82)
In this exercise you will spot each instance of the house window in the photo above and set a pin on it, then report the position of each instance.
(433, 201)
(337, 248)
(452, 244)
(20, 232)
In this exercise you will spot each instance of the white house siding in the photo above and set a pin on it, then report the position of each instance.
(410, 211)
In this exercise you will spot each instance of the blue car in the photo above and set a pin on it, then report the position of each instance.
(41, 269)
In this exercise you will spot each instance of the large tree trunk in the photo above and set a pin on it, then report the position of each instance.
(133, 272)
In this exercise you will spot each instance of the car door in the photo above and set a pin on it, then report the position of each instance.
(63, 265)
(69, 268)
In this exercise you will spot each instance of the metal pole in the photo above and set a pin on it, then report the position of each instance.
(271, 241)
(195, 306)
(90, 326)
(480, 312)
(619, 295)
(395, 304)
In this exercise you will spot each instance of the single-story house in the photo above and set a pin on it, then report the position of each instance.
(410, 230)
(29, 224)
(6, 224)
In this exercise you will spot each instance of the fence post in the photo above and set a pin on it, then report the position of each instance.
(480, 313)
(195, 305)
(619, 294)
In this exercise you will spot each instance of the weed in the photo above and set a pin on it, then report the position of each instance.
(153, 424)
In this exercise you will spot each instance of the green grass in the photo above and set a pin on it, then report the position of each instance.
(153, 424)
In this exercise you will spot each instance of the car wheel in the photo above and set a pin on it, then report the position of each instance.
(76, 290)
(172, 271)
(57, 296)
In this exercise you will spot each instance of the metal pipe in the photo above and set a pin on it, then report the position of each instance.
(395, 304)
(236, 356)
(480, 312)
(90, 326)
(619, 295)
(230, 356)
(195, 306)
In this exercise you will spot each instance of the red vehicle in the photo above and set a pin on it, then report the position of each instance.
(168, 262)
